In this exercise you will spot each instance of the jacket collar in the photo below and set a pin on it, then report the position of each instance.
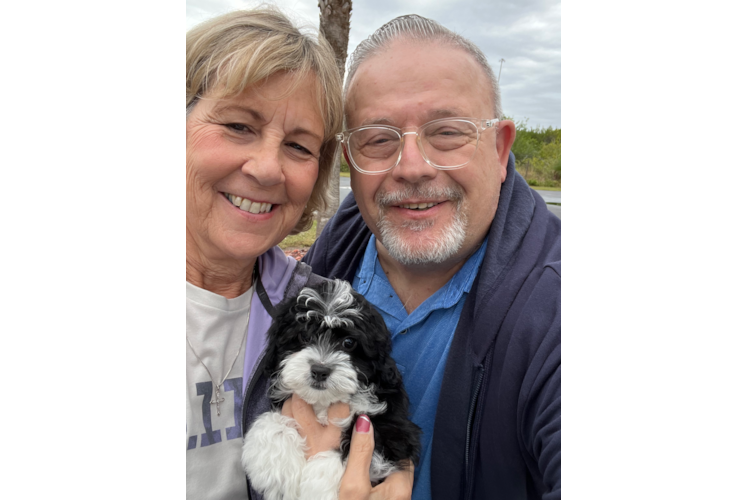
(515, 244)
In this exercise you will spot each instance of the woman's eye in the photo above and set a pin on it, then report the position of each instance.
(300, 151)
(238, 127)
(299, 147)
(349, 344)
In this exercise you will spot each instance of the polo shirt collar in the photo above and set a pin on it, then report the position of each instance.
(446, 296)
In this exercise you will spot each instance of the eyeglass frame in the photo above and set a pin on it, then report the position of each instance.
(480, 124)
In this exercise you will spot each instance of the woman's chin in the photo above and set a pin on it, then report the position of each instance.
(248, 248)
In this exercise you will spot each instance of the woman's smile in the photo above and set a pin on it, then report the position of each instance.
(247, 205)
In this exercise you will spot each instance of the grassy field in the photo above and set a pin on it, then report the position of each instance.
(301, 240)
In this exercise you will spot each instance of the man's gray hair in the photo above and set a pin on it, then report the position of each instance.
(417, 28)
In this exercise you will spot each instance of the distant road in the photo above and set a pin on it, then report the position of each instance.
(548, 196)
(552, 197)
(345, 187)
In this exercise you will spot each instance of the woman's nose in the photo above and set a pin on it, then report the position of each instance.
(265, 164)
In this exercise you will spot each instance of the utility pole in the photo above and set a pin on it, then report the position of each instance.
(502, 64)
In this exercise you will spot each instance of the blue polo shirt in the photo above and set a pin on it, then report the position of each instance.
(420, 342)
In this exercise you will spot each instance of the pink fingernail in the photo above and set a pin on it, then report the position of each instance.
(363, 424)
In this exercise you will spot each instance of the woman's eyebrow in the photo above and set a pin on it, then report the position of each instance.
(242, 109)
(261, 118)
(302, 130)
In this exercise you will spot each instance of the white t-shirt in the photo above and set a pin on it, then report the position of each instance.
(216, 327)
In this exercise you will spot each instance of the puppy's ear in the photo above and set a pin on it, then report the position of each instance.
(378, 347)
(387, 376)
(279, 335)
(390, 378)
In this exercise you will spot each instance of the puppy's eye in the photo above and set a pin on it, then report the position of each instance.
(349, 344)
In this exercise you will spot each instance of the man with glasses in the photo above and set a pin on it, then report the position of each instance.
(460, 257)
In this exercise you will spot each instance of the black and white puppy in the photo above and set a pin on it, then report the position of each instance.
(326, 346)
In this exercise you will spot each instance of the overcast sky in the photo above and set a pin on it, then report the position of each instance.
(526, 34)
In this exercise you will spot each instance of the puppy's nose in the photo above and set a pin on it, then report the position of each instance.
(320, 372)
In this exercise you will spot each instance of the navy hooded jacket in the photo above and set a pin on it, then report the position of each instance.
(497, 432)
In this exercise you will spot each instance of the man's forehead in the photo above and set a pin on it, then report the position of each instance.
(432, 114)
(416, 71)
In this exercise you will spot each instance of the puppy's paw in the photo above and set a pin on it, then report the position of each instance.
(343, 423)
(321, 477)
(321, 412)
(273, 456)
(380, 468)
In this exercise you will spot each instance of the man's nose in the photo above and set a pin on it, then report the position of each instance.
(265, 164)
(413, 167)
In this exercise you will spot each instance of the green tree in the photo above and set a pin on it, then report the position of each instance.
(526, 145)
(537, 153)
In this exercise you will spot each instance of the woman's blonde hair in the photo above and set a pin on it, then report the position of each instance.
(233, 52)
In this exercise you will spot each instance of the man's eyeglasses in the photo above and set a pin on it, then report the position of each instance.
(445, 144)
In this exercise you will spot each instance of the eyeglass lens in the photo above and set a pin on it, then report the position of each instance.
(445, 143)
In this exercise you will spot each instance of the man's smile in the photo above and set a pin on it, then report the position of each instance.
(418, 206)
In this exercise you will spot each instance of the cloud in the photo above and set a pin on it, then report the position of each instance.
(526, 34)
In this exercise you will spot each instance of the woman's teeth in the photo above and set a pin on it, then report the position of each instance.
(418, 206)
(250, 206)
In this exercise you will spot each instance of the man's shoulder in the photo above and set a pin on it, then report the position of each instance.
(524, 237)
(520, 278)
(337, 251)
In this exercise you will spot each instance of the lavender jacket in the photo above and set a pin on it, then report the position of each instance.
(281, 278)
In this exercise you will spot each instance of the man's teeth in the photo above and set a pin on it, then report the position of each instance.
(418, 206)
(250, 206)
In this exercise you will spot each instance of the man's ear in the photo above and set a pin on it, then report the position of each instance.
(345, 154)
(505, 134)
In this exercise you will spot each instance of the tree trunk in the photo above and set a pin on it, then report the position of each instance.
(334, 24)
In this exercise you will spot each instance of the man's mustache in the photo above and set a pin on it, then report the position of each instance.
(389, 198)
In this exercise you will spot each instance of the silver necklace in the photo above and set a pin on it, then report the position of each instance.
(217, 398)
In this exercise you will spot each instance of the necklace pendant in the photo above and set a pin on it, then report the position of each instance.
(218, 400)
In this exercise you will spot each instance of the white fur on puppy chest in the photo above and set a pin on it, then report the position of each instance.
(273, 456)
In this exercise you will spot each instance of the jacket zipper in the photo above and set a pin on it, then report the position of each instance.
(471, 415)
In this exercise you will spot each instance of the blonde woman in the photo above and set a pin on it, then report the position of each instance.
(263, 106)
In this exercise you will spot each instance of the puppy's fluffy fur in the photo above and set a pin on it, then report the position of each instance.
(328, 345)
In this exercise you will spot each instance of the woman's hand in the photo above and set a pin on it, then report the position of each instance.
(356, 485)
(318, 437)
